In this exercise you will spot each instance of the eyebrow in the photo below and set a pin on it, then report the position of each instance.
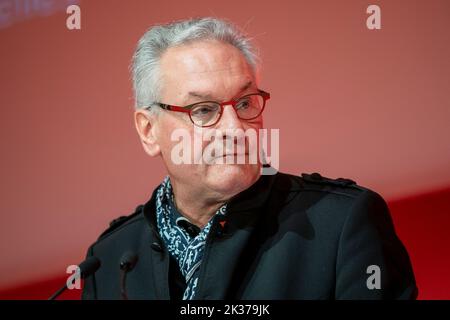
(209, 96)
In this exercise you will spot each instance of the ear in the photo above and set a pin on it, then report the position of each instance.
(146, 128)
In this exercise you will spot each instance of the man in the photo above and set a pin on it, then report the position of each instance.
(216, 228)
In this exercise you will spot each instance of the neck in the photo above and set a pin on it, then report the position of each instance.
(197, 209)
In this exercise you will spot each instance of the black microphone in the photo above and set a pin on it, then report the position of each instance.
(87, 267)
(127, 263)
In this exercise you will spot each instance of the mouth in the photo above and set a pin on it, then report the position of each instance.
(232, 158)
(233, 154)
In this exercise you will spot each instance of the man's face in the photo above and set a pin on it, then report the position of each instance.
(205, 71)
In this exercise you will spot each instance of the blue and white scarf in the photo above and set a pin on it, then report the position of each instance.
(187, 250)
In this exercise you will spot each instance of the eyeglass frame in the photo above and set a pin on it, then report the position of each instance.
(187, 109)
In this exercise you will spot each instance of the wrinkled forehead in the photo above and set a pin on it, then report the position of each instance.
(205, 66)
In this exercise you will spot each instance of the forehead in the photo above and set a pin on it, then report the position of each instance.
(209, 65)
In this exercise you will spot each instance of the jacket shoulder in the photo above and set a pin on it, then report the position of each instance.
(121, 222)
(316, 182)
(316, 178)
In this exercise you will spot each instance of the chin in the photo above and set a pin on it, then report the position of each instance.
(231, 179)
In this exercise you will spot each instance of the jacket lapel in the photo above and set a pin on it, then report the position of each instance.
(149, 279)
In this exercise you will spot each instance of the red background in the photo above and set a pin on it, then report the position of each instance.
(371, 105)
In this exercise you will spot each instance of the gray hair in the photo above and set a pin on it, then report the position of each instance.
(145, 64)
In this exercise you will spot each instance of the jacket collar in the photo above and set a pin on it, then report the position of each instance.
(253, 197)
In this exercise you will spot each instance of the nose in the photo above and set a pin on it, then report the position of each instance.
(230, 119)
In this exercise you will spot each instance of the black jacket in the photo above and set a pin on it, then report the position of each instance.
(286, 237)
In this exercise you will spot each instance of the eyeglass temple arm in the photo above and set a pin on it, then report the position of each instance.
(170, 107)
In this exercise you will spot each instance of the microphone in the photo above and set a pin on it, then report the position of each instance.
(87, 267)
(127, 263)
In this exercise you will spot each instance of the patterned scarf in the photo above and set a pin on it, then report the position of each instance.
(187, 250)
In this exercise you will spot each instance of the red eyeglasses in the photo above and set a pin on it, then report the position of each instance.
(208, 113)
